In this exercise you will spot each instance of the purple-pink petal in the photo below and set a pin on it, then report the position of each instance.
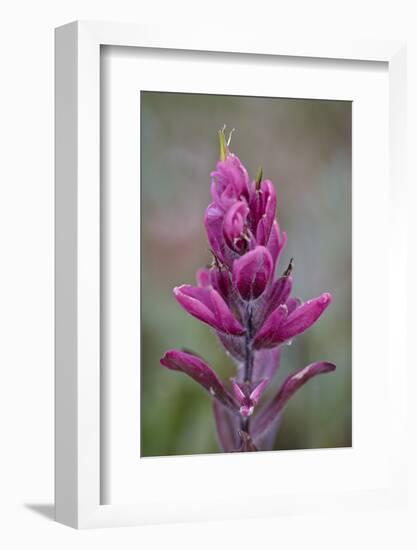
(252, 272)
(238, 392)
(203, 277)
(224, 317)
(248, 395)
(234, 224)
(276, 242)
(258, 391)
(292, 304)
(262, 202)
(208, 306)
(268, 208)
(304, 316)
(280, 291)
(223, 198)
(198, 370)
(269, 334)
(281, 326)
(229, 181)
(292, 383)
(277, 294)
(220, 281)
(213, 221)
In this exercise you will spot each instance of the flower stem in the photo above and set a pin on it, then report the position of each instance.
(244, 424)
(248, 366)
(248, 346)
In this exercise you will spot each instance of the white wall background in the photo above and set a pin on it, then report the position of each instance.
(26, 269)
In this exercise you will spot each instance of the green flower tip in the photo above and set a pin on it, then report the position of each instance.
(224, 143)
(258, 179)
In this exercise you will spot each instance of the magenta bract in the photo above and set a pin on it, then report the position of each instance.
(206, 304)
(198, 369)
(252, 272)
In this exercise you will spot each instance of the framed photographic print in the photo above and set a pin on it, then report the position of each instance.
(224, 326)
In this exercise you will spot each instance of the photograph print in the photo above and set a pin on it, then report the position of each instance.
(245, 274)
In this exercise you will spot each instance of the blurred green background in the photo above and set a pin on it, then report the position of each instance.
(304, 147)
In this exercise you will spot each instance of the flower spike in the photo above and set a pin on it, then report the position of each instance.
(252, 313)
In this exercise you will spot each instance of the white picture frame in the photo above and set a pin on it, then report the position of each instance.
(78, 406)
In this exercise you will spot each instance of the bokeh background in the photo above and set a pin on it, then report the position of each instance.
(304, 147)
